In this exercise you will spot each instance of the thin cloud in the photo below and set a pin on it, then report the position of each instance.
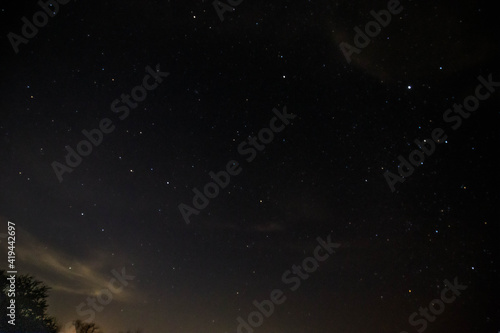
(64, 274)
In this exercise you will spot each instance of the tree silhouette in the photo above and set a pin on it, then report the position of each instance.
(31, 306)
(82, 327)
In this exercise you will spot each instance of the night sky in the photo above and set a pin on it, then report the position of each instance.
(304, 141)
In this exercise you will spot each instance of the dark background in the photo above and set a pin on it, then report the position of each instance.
(322, 175)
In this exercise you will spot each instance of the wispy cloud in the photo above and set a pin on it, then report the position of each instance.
(63, 273)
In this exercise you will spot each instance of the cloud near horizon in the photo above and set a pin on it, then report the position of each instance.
(63, 274)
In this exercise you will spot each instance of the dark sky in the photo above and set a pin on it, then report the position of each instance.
(321, 176)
